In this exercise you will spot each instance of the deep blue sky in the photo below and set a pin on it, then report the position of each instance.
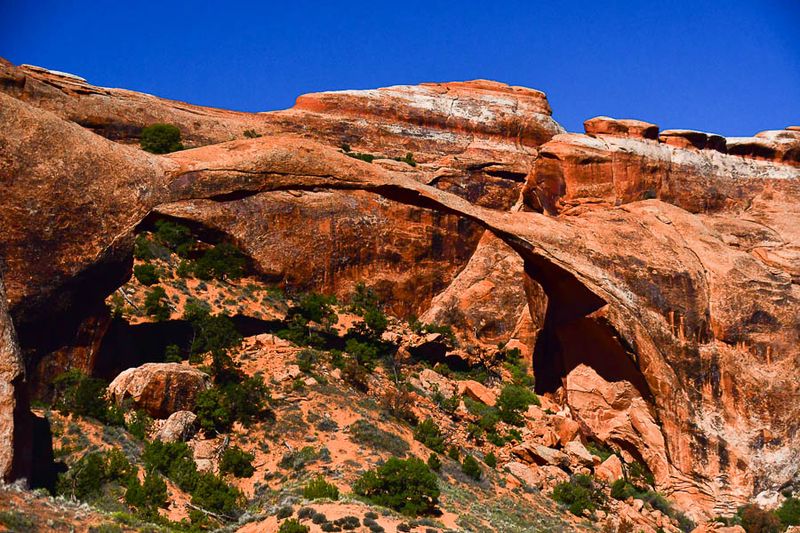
(732, 67)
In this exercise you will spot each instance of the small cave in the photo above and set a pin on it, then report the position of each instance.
(571, 336)
(128, 345)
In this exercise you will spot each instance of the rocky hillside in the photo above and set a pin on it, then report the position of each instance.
(570, 331)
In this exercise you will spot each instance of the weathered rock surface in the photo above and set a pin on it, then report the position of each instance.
(636, 129)
(610, 470)
(161, 389)
(670, 272)
(179, 427)
(12, 375)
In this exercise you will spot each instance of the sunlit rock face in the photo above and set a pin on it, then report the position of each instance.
(651, 277)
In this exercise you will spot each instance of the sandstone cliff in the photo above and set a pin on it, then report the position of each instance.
(667, 265)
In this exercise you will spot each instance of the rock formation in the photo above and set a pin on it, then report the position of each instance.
(160, 389)
(655, 277)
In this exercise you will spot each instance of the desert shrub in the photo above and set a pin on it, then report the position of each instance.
(87, 476)
(237, 462)
(454, 454)
(754, 519)
(251, 134)
(223, 261)
(161, 456)
(434, 463)
(488, 417)
(407, 486)
(139, 424)
(148, 495)
(307, 359)
(428, 433)
(146, 274)
(79, 394)
(174, 236)
(293, 526)
(355, 374)
(514, 400)
(319, 488)
(448, 405)
(365, 354)
(212, 333)
(622, 489)
(408, 159)
(155, 304)
(639, 475)
(399, 402)
(369, 158)
(517, 368)
(284, 512)
(600, 450)
(213, 494)
(490, 460)
(471, 468)
(298, 459)
(161, 139)
(17, 521)
(363, 432)
(219, 407)
(789, 512)
(173, 354)
(579, 494)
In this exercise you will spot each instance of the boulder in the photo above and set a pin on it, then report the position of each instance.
(287, 373)
(524, 473)
(160, 389)
(541, 455)
(431, 382)
(477, 392)
(635, 129)
(609, 470)
(578, 454)
(180, 426)
(566, 428)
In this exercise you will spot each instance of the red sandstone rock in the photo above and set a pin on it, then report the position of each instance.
(178, 427)
(693, 139)
(609, 470)
(477, 392)
(161, 389)
(636, 129)
(12, 375)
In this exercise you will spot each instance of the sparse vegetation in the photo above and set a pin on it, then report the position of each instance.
(513, 401)
(407, 486)
(428, 433)
(237, 462)
(161, 139)
(579, 494)
(146, 274)
(79, 394)
(471, 468)
(319, 488)
(155, 304)
(293, 526)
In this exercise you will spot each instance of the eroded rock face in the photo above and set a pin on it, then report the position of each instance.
(161, 389)
(12, 374)
(179, 427)
(668, 271)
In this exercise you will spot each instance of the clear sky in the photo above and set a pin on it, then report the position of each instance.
(731, 67)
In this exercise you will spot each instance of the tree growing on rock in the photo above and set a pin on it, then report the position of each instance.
(161, 139)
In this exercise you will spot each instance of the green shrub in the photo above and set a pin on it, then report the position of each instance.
(139, 424)
(471, 468)
(292, 526)
(147, 496)
(789, 512)
(146, 274)
(363, 157)
(307, 359)
(434, 463)
(428, 433)
(174, 236)
(219, 407)
(237, 462)
(223, 261)
(362, 300)
(579, 494)
(86, 477)
(155, 304)
(754, 519)
(213, 494)
(640, 475)
(622, 490)
(161, 139)
(251, 134)
(407, 486)
(518, 368)
(454, 454)
(319, 488)
(18, 521)
(363, 353)
(490, 460)
(514, 400)
(488, 417)
(79, 394)
(172, 354)
(161, 456)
